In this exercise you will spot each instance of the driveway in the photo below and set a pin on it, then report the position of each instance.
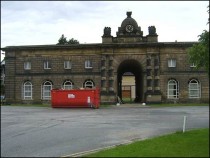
(44, 131)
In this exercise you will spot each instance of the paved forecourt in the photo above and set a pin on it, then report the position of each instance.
(44, 131)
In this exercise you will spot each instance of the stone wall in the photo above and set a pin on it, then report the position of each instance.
(183, 73)
(106, 60)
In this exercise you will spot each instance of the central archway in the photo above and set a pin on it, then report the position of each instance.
(135, 68)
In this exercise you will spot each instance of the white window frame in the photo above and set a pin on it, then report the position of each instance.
(27, 65)
(68, 85)
(67, 64)
(27, 90)
(88, 64)
(172, 63)
(173, 93)
(194, 89)
(88, 84)
(47, 65)
(46, 90)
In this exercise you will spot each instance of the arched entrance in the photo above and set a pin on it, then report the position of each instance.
(131, 66)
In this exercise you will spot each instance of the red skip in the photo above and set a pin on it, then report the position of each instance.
(75, 98)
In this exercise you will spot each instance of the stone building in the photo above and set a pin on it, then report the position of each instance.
(161, 69)
(2, 72)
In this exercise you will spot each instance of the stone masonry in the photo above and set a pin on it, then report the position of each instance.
(129, 51)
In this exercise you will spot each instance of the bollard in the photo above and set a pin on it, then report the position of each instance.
(184, 123)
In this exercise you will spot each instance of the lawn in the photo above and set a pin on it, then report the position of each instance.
(193, 143)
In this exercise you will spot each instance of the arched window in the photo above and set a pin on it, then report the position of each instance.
(46, 90)
(88, 84)
(27, 90)
(173, 89)
(194, 89)
(67, 85)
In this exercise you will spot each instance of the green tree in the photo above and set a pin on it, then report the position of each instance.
(73, 41)
(62, 40)
(199, 52)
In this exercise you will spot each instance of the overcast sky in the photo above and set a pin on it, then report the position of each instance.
(43, 22)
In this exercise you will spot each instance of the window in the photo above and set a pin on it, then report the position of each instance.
(173, 89)
(47, 65)
(171, 63)
(27, 65)
(88, 64)
(67, 64)
(88, 84)
(27, 90)
(46, 90)
(67, 85)
(194, 89)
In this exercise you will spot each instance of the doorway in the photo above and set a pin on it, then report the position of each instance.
(128, 87)
(133, 68)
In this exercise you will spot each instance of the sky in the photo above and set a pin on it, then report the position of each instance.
(43, 22)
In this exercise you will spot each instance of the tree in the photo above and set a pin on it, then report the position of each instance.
(63, 40)
(199, 52)
(73, 41)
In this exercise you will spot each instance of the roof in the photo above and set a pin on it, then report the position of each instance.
(100, 45)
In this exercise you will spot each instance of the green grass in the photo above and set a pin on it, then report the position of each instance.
(128, 100)
(193, 143)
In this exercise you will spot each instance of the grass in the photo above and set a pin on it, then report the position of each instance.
(128, 100)
(193, 143)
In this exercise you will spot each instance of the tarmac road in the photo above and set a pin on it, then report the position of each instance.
(43, 131)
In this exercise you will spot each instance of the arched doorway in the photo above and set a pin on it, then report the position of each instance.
(131, 66)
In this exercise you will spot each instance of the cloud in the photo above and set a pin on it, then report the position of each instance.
(43, 22)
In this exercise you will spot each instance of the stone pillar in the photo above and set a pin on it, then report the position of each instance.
(10, 82)
(107, 80)
(103, 74)
(153, 94)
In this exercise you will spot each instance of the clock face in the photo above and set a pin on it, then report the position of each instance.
(129, 28)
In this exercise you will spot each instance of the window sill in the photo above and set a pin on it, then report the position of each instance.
(67, 68)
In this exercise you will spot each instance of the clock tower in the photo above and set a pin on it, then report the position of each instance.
(129, 32)
(129, 27)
